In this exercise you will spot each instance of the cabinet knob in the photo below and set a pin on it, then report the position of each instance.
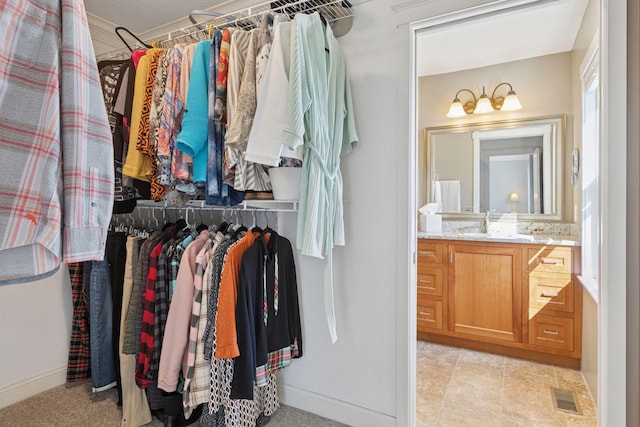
(550, 332)
(549, 295)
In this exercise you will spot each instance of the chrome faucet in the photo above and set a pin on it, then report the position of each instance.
(487, 222)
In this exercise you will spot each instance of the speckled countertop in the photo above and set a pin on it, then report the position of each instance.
(538, 233)
(534, 239)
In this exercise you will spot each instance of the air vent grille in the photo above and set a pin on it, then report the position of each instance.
(565, 400)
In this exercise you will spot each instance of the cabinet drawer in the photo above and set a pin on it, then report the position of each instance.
(551, 293)
(430, 253)
(551, 331)
(430, 282)
(429, 315)
(549, 259)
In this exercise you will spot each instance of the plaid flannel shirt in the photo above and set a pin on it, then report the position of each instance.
(57, 179)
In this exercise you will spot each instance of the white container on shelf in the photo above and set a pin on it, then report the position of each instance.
(285, 183)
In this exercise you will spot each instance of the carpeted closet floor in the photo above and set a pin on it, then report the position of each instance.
(73, 405)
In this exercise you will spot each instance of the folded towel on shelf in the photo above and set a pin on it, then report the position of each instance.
(447, 193)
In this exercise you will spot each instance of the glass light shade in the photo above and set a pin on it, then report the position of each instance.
(511, 102)
(483, 106)
(456, 109)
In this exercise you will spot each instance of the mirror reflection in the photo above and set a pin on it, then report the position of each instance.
(499, 167)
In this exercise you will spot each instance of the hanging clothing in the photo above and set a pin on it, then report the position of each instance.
(267, 313)
(217, 192)
(225, 321)
(218, 262)
(143, 143)
(130, 344)
(56, 142)
(320, 112)
(265, 140)
(135, 407)
(148, 331)
(220, 107)
(192, 139)
(97, 278)
(202, 262)
(159, 86)
(137, 164)
(127, 189)
(146, 135)
(198, 392)
(170, 116)
(181, 162)
(113, 77)
(247, 176)
(116, 256)
(79, 364)
(175, 340)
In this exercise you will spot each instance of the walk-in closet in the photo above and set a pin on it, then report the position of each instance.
(216, 212)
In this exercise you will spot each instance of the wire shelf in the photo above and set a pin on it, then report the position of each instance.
(331, 11)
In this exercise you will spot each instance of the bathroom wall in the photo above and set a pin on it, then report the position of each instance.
(543, 85)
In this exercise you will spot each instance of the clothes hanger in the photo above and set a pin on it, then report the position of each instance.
(118, 29)
(254, 226)
(206, 13)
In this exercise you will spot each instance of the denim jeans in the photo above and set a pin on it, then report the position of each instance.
(98, 285)
(116, 253)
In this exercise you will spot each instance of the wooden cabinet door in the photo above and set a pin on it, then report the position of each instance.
(485, 292)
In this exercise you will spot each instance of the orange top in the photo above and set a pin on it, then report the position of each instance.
(226, 335)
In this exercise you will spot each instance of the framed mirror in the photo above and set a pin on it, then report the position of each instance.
(511, 166)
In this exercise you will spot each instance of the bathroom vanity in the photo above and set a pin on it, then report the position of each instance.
(513, 295)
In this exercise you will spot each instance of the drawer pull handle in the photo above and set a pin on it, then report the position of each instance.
(549, 295)
(428, 253)
(548, 261)
(551, 332)
(425, 281)
(426, 313)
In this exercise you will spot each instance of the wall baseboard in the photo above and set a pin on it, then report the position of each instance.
(16, 392)
(333, 409)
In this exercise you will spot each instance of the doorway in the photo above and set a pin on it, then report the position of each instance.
(611, 323)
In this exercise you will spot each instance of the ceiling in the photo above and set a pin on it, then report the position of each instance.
(533, 31)
(526, 33)
(140, 16)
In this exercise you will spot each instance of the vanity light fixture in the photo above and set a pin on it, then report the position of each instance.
(484, 104)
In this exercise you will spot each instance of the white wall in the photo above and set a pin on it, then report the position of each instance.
(35, 326)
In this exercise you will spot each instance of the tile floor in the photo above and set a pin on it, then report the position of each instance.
(460, 387)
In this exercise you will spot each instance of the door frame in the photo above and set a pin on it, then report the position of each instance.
(611, 323)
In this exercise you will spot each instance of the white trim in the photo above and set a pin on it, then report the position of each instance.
(590, 286)
(103, 31)
(612, 322)
(410, 4)
(590, 57)
(589, 72)
(333, 409)
(406, 410)
(30, 387)
(484, 10)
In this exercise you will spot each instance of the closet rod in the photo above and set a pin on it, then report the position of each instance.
(331, 11)
(246, 205)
